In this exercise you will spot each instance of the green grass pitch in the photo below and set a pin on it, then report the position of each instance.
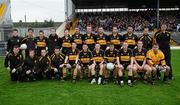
(52, 92)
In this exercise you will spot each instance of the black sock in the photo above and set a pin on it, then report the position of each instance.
(130, 78)
(120, 78)
(153, 77)
(165, 78)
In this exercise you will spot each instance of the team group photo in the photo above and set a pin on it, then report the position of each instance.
(83, 52)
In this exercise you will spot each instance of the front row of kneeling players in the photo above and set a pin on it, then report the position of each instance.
(94, 65)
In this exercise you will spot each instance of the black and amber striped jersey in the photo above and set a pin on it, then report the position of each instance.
(72, 55)
(116, 40)
(102, 40)
(89, 40)
(98, 56)
(155, 58)
(125, 55)
(77, 38)
(56, 60)
(110, 56)
(85, 57)
(66, 44)
(147, 41)
(131, 39)
(66, 41)
(139, 55)
(41, 42)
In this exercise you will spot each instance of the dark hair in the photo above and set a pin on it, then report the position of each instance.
(41, 31)
(16, 46)
(53, 29)
(56, 47)
(114, 26)
(131, 26)
(43, 49)
(15, 30)
(30, 29)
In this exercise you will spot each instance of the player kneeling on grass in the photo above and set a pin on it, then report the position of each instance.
(97, 66)
(57, 63)
(42, 68)
(29, 66)
(140, 65)
(155, 58)
(13, 63)
(84, 63)
(125, 62)
(71, 60)
(109, 59)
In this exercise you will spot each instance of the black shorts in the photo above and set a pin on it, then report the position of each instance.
(125, 64)
(140, 63)
(71, 63)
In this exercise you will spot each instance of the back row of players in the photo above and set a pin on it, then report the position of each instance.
(86, 54)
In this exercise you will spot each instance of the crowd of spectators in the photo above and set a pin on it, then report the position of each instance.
(138, 19)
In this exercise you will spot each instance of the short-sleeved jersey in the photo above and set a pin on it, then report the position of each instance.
(102, 40)
(155, 59)
(131, 39)
(110, 56)
(72, 55)
(98, 56)
(139, 56)
(125, 56)
(85, 57)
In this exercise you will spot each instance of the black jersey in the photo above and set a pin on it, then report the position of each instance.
(102, 40)
(56, 60)
(53, 41)
(15, 40)
(72, 55)
(14, 61)
(139, 56)
(40, 44)
(147, 41)
(85, 57)
(89, 40)
(131, 39)
(116, 40)
(66, 44)
(29, 63)
(30, 42)
(43, 63)
(125, 56)
(98, 56)
(110, 56)
(77, 38)
(163, 39)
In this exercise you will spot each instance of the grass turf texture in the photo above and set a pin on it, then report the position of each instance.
(52, 92)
